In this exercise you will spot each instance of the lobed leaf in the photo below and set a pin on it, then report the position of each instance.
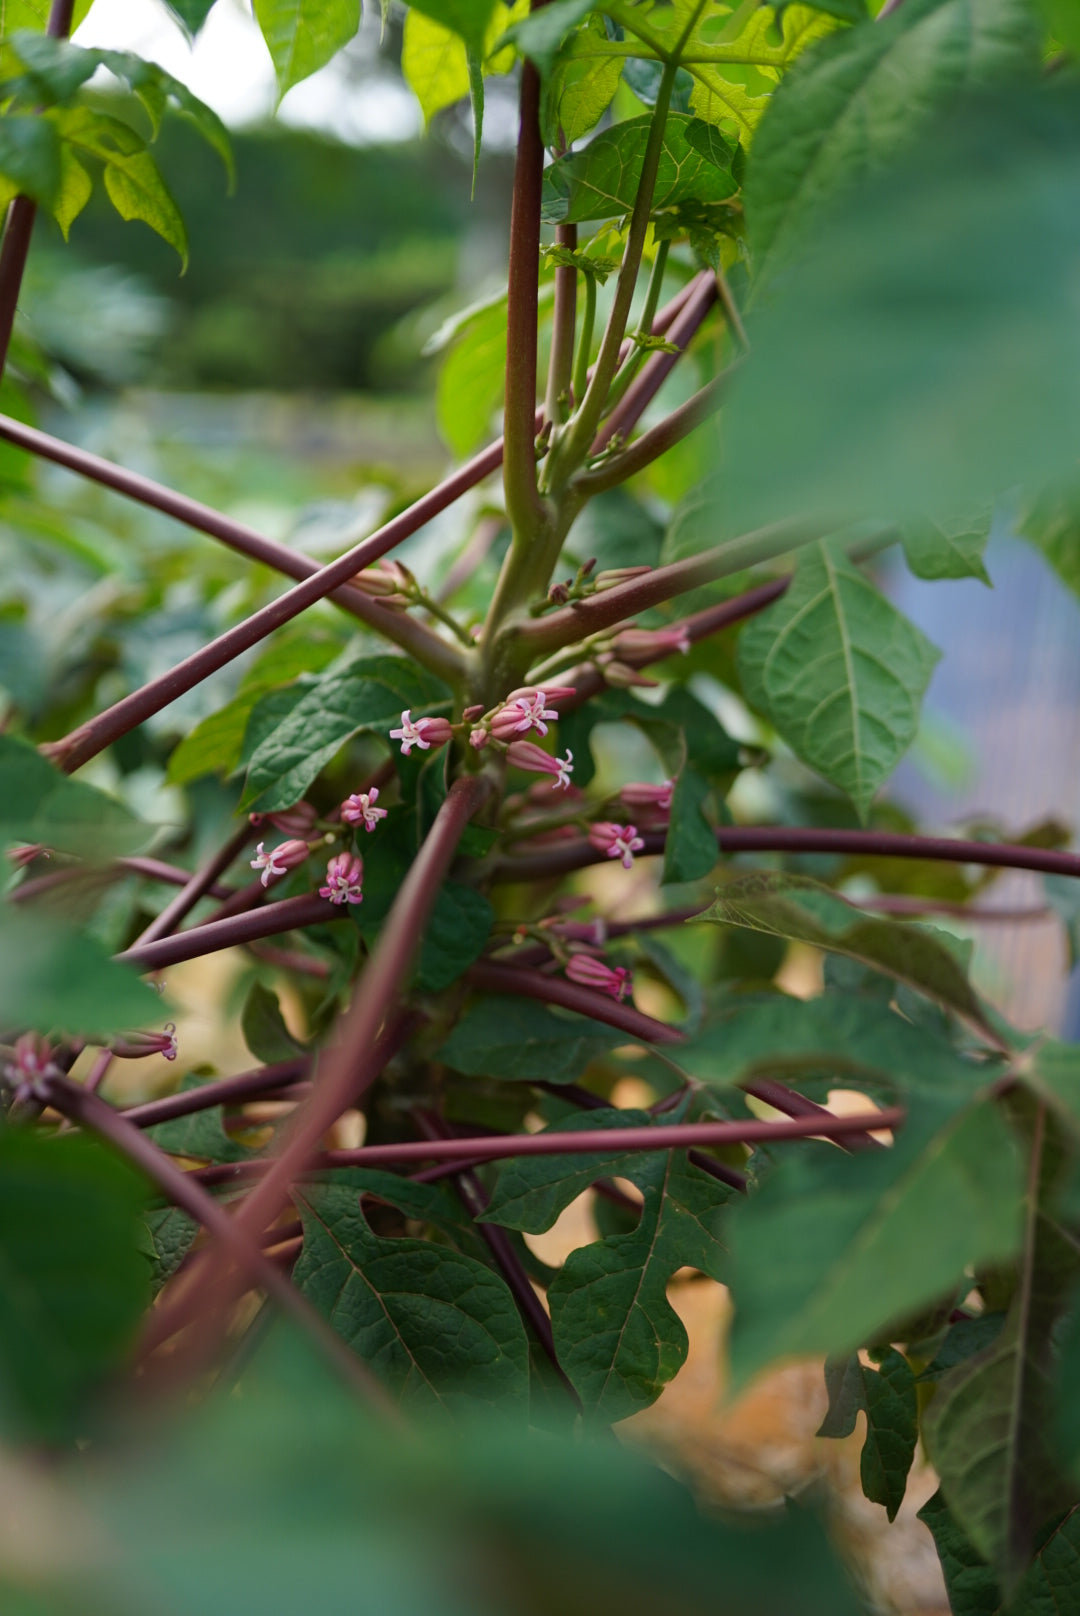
(804, 911)
(833, 1249)
(839, 672)
(522, 1041)
(601, 181)
(441, 1330)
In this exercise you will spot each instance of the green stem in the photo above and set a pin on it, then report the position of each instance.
(632, 363)
(563, 324)
(581, 363)
(523, 504)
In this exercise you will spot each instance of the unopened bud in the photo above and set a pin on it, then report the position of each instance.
(558, 594)
(652, 643)
(388, 582)
(472, 713)
(618, 575)
(295, 821)
(623, 677)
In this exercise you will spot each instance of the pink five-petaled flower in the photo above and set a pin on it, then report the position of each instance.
(33, 1058)
(527, 709)
(639, 795)
(593, 973)
(360, 807)
(133, 1045)
(344, 875)
(422, 732)
(279, 859)
(526, 755)
(617, 841)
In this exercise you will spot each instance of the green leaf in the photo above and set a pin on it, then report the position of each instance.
(434, 62)
(191, 14)
(355, 695)
(200, 1135)
(469, 18)
(715, 754)
(530, 1192)
(582, 85)
(30, 157)
(171, 1234)
(542, 34)
(987, 1429)
(892, 1430)
(601, 181)
(454, 937)
(962, 1341)
(972, 1586)
(616, 1334)
(835, 1248)
(843, 1383)
(470, 382)
(35, 14)
(880, 364)
(858, 95)
(524, 1042)
(73, 1284)
(1050, 520)
(213, 746)
(801, 910)
(839, 671)
(851, 1036)
(440, 1329)
(1051, 1070)
(690, 851)
(1051, 1585)
(39, 804)
(706, 138)
(948, 549)
(76, 189)
(288, 1497)
(138, 191)
(264, 1029)
(303, 35)
(55, 979)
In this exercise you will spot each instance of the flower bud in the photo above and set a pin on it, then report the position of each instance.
(471, 714)
(652, 643)
(295, 821)
(621, 677)
(593, 973)
(639, 795)
(618, 575)
(134, 1045)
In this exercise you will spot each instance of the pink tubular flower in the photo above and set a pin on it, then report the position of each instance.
(478, 738)
(639, 795)
(617, 841)
(344, 875)
(279, 859)
(526, 755)
(593, 973)
(422, 732)
(133, 1045)
(32, 1057)
(360, 808)
(526, 709)
(294, 821)
(647, 642)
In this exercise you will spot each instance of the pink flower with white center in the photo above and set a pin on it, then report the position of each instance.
(639, 795)
(617, 841)
(32, 1057)
(593, 973)
(344, 875)
(526, 755)
(647, 642)
(279, 859)
(422, 732)
(526, 709)
(133, 1045)
(360, 808)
